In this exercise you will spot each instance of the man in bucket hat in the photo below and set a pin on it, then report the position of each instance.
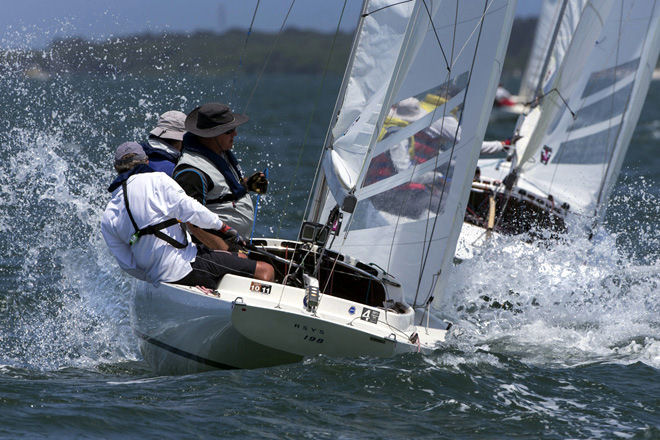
(165, 141)
(143, 228)
(208, 170)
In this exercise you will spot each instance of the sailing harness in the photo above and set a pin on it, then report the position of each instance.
(153, 229)
(227, 166)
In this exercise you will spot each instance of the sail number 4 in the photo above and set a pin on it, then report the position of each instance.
(369, 315)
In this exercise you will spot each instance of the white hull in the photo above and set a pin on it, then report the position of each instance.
(249, 323)
(183, 330)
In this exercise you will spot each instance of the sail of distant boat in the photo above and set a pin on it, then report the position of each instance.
(561, 70)
(580, 151)
(584, 108)
(555, 27)
(448, 56)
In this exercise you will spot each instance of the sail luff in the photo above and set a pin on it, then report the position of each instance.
(539, 85)
(547, 20)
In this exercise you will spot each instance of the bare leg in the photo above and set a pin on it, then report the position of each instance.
(264, 271)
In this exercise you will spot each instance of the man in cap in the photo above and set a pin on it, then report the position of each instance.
(143, 228)
(208, 170)
(163, 147)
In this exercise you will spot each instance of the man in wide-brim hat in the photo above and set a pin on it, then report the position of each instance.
(208, 170)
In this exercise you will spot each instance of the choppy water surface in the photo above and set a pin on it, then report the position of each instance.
(574, 354)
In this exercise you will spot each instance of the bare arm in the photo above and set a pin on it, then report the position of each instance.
(209, 240)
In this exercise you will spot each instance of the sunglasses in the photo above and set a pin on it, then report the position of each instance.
(232, 131)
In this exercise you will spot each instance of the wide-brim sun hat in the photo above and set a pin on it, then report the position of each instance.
(171, 125)
(408, 110)
(213, 119)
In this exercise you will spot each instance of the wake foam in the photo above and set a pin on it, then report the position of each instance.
(565, 302)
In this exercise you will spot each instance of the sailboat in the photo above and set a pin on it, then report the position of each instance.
(587, 94)
(372, 253)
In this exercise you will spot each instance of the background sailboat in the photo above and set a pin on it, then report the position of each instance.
(574, 141)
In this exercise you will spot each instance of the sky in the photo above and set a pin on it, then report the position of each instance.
(34, 23)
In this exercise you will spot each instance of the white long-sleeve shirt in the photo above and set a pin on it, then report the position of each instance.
(153, 198)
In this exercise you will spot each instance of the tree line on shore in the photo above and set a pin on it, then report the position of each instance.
(208, 53)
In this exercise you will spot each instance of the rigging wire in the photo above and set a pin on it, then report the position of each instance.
(444, 183)
(270, 53)
(435, 165)
(437, 38)
(243, 50)
(311, 117)
(448, 66)
(366, 14)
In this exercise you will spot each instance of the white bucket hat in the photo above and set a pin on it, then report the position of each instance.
(171, 125)
(408, 110)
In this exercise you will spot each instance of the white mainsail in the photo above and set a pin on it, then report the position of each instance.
(582, 155)
(440, 61)
(563, 69)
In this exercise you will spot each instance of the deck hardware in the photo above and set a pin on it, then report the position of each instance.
(312, 293)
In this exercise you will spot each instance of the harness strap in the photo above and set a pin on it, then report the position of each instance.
(223, 199)
(153, 229)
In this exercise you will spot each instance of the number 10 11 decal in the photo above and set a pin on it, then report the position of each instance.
(261, 288)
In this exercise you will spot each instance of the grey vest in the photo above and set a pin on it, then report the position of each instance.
(238, 214)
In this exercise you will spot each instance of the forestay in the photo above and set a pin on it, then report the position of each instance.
(582, 156)
(410, 120)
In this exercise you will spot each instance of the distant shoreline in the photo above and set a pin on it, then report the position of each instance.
(208, 53)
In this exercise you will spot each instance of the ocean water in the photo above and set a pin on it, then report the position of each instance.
(576, 355)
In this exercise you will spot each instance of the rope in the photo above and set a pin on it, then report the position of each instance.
(272, 49)
(309, 121)
(240, 59)
(256, 210)
(437, 39)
